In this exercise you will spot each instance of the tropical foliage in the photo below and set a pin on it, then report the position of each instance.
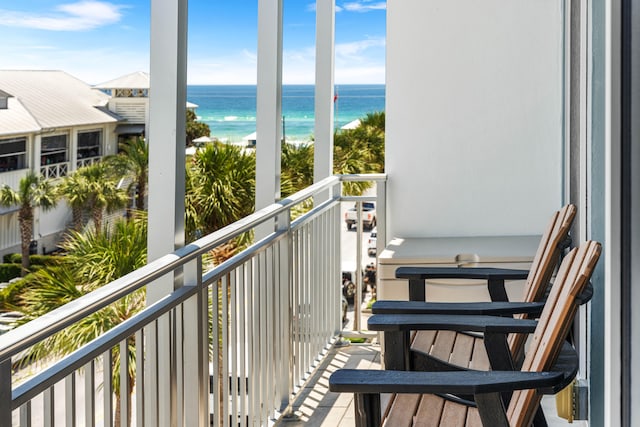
(296, 168)
(33, 192)
(133, 162)
(195, 129)
(220, 188)
(93, 189)
(93, 259)
(360, 150)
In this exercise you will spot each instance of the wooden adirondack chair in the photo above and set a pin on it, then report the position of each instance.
(446, 350)
(547, 368)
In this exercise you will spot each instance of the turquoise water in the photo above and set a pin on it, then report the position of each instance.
(230, 111)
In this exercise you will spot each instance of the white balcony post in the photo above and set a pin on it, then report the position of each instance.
(166, 136)
(269, 107)
(324, 94)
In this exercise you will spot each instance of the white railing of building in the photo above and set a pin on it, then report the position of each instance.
(57, 170)
(264, 318)
(87, 161)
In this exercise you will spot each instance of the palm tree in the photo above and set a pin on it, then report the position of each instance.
(75, 189)
(360, 150)
(103, 192)
(220, 188)
(34, 191)
(297, 168)
(93, 259)
(133, 161)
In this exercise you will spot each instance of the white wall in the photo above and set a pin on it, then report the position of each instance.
(474, 116)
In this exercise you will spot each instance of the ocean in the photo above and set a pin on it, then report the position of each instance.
(230, 111)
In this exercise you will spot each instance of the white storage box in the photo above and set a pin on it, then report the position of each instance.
(515, 252)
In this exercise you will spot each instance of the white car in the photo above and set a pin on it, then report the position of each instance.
(371, 246)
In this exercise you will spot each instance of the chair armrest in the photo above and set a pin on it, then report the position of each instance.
(498, 308)
(485, 273)
(495, 278)
(476, 323)
(454, 382)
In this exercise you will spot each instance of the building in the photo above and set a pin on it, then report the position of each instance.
(51, 123)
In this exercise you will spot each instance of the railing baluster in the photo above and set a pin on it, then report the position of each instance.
(140, 391)
(107, 387)
(25, 415)
(89, 395)
(48, 407)
(70, 400)
(233, 347)
(242, 279)
(124, 383)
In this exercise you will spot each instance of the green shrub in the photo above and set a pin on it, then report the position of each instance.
(9, 271)
(34, 259)
(9, 295)
(12, 258)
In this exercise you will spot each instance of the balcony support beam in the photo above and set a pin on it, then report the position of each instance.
(268, 108)
(166, 136)
(325, 96)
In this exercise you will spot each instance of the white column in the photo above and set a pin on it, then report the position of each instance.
(168, 81)
(612, 253)
(167, 98)
(269, 107)
(324, 96)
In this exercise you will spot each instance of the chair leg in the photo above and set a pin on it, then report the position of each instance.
(539, 419)
(491, 410)
(367, 408)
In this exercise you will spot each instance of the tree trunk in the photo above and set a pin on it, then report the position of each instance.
(25, 218)
(142, 189)
(76, 211)
(96, 214)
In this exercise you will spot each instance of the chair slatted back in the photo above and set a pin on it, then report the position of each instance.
(553, 325)
(544, 264)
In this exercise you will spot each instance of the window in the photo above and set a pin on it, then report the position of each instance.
(89, 144)
(54, 150)
(132, 93)
(13, 154)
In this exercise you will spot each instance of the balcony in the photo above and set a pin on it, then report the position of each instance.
(251, 341)
(235, 341)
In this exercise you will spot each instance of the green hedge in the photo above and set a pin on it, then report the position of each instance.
(35, 259)
(9, 271)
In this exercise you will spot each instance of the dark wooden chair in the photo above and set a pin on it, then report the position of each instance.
(446, 350)
(501, 397)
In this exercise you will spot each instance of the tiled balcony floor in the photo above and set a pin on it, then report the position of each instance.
(317, 406)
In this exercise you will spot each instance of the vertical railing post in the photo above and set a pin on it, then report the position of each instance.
(284, 358)
(357, 298)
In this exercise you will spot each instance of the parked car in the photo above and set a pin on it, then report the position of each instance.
(368, 216)
(348, 283)
(373, 241)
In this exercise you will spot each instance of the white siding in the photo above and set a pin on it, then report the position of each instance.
(10, 232)
(474, 113)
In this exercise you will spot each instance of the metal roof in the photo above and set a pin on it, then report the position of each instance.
(16, 119)
(53, 99)
(137, 80)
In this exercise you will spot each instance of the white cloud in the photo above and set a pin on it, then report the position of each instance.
(79, 16)
(364, 6)
(356, 50)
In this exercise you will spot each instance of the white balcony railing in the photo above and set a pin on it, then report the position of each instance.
(56, 170)
(241, 338)
(87, 161)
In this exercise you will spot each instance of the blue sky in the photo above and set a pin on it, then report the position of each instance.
(100, 40)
